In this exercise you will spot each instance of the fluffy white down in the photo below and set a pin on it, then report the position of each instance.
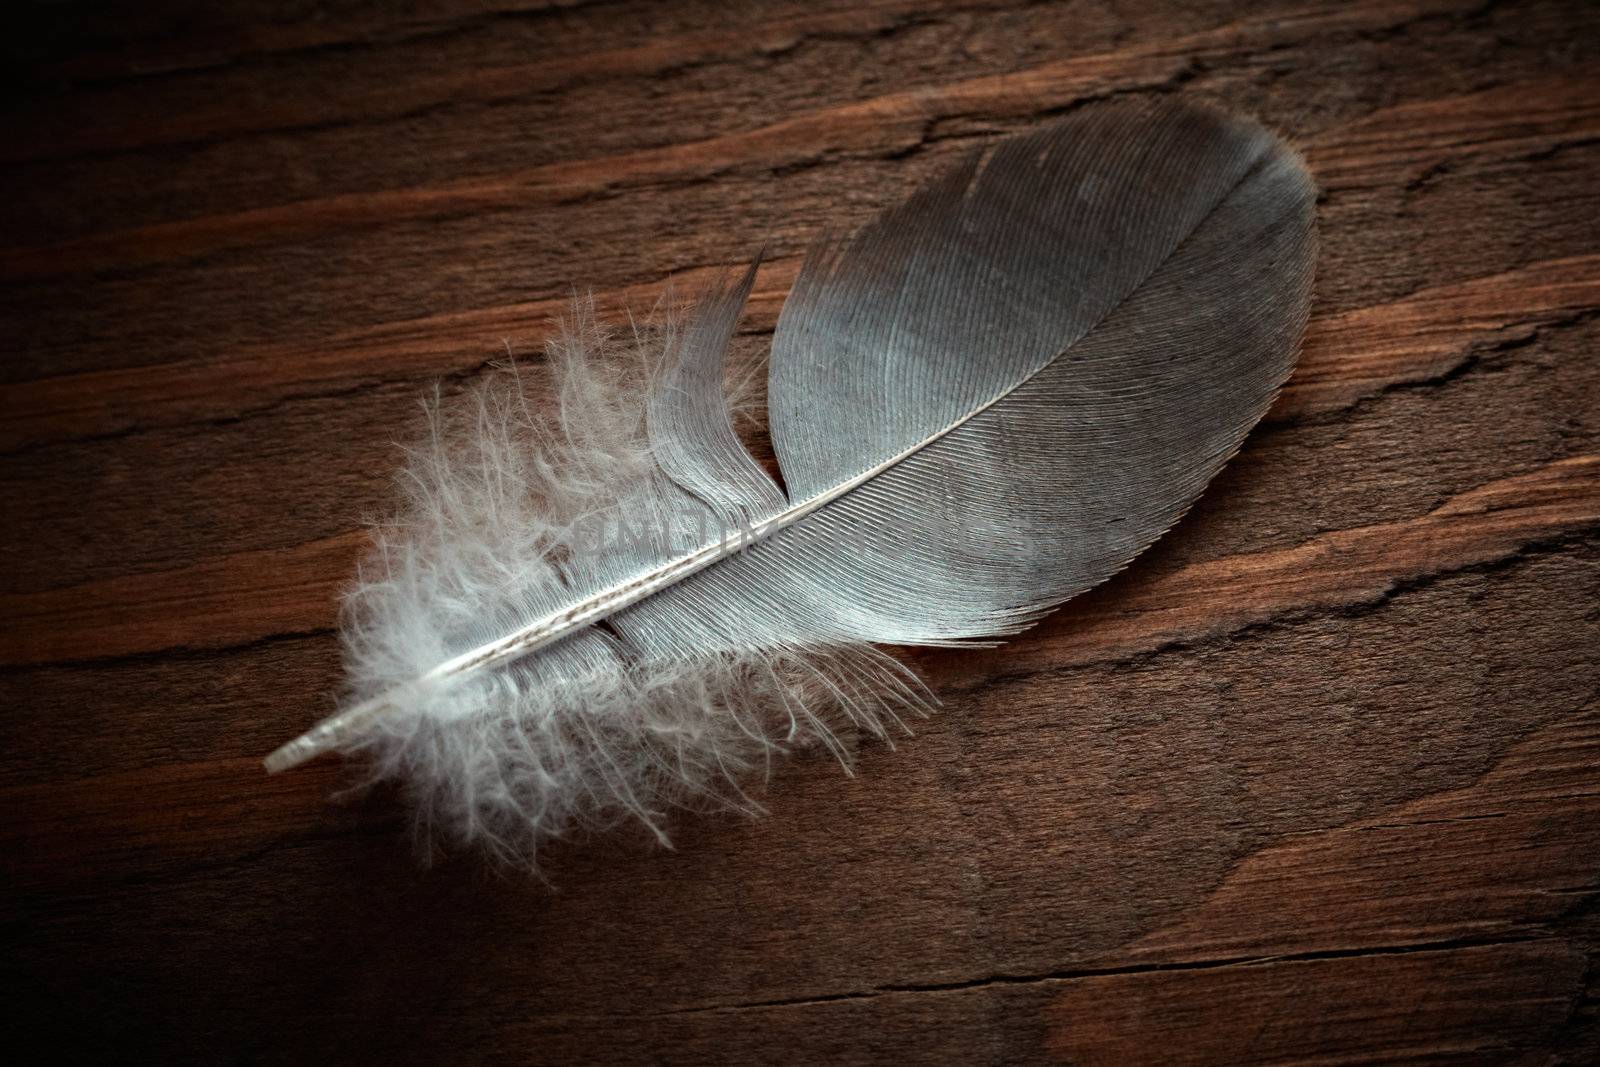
(509, 761)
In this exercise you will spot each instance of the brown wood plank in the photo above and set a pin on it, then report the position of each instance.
(1020, 877)
(1314, 781)
(885, 125)
(1495, 1001)
(237, 599)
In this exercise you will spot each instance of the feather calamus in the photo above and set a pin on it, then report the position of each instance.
(986, 401)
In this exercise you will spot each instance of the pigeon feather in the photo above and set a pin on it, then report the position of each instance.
(988, 400)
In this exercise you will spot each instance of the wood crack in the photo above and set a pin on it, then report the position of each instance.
(1089, 973)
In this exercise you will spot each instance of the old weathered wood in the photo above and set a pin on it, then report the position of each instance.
(1314, 781)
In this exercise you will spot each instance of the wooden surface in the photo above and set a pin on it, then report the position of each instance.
(1316, 781)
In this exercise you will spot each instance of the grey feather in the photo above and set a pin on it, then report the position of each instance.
(985, 402)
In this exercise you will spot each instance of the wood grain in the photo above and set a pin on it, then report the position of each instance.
(1313, 782)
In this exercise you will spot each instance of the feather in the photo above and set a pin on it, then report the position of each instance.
(988, 400)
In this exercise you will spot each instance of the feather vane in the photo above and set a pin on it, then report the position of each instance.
(988, 400)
